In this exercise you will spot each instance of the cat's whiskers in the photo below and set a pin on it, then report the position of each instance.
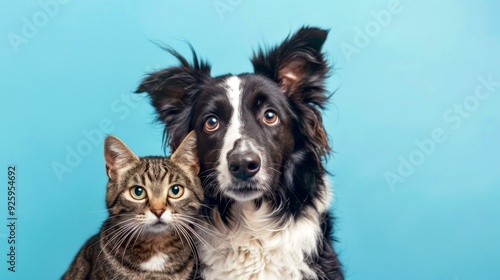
(117, 235)
(116, 276)
(197, 223)
(140, 234)
(191, 243)
(189, 239)
(126, 236)
(113, 228)
(178, 233)
(119, 224)
(195, 234)
(113, 235)
(135, 232)
(99, 211)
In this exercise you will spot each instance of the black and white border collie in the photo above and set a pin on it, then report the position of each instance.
(262, 145)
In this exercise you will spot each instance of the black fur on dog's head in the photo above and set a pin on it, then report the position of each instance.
(260, 135)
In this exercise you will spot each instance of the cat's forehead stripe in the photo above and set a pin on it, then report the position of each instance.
(164, 171)
(140, 178)
(149, 172)
(171, 177)
(175, 177)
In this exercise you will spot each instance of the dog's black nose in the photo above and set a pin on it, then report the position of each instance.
(244, 166)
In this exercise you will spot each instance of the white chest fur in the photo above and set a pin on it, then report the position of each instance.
(155, 263)
(258, 247)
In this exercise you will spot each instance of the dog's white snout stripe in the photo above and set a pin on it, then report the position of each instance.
(233, 133)
(236, 141)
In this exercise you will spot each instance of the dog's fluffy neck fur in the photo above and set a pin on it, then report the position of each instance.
(263, 247)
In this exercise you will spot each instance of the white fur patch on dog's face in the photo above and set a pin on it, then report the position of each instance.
(235, 132)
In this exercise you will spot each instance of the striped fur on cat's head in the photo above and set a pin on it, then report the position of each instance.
(153, 194)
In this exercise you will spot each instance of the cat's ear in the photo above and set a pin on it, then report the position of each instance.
(118, 156)
(186, 154)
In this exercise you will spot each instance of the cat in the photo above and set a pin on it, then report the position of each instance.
(152, 203)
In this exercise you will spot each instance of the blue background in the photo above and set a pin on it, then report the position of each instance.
(72, 75)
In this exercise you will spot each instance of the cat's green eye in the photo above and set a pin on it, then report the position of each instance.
(175, 191)
(138, 193)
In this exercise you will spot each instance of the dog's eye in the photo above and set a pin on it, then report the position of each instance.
(270, 118)
(211, 124)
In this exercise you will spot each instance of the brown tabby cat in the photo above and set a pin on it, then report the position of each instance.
(152, 203)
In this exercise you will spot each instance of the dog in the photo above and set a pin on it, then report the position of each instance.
(262, 147)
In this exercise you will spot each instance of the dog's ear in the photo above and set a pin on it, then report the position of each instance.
(297, 63)
(299, 67)
(173, 91)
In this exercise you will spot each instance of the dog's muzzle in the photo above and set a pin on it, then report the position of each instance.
(247, 178)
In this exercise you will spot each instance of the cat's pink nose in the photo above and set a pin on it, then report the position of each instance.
(158, 212)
